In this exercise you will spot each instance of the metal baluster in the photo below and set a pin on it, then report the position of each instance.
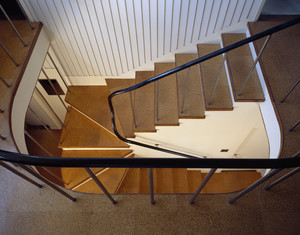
(157, 87)
(8, 167)
(45, 126)
(150, 176)
(2, 137)
(253, 66)
(101, 186)
(59, 72)
(12, 25)
(217, 79)
(55, 176)
(289, 92)
(132, 109)
(9, 55)
(41, 95)
(205, 181)
(286, 176)
(53, 87)
(37, 143)
(294, 126)
(185, 88)
(6, 84)
(34, 173)
(254, 185)
(25, 15)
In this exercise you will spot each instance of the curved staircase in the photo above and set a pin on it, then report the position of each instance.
(186, 95)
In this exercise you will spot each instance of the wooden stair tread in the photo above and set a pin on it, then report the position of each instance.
(163, 180)
(194, 180)
(144, 103)
(131, 182)
(144, 181)
(221, 100)
(111, 179)
(77, 176)
(167, 96)
(239, 62)
(122, 104)
(193, 104)
(80, 132)
(92, 101)
(180, 183)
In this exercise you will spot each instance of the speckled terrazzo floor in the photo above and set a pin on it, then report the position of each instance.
(26, 209)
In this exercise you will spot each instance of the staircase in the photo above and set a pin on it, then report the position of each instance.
(186, 95)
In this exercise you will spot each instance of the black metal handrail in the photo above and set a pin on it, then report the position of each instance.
(182, 67)
(163, 162)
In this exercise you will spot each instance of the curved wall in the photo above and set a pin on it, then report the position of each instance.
(25, 90)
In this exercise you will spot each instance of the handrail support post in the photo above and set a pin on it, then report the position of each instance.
(217, 79)
(202, 185)
(12, 25)
(150, 176)
(286, 176)
(254, 64)
(101, 186)
(185, 89)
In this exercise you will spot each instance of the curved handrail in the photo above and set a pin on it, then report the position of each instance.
(182, 67)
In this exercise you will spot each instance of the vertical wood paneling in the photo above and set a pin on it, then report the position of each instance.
(153, 27)
(183, 23)
(110, 37)
(146, 29)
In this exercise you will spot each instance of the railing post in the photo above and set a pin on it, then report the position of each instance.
(44, 99)
(53, 87)
(286, 176)
(37, 143)
(185, 88)
(132, 109)
(254, 185)
(217, 79)
(45, 126)
(9, 55)
(32, 172)
(157, 93)
(59, 73)
(150, 176)
(6, 84)
(205, 181)
(8, 167)
(289, 92)
(25, 15)
(12, 25)
(254, 64)
(294, 126)
(55, 176)
(101, 186)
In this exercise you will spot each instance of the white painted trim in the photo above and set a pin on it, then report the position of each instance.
(25, 90)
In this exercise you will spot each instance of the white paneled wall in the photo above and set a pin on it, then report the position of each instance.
(111, 37)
